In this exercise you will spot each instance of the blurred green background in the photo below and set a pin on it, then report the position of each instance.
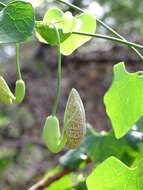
(24, 159)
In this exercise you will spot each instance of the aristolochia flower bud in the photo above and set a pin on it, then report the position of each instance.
(6, 96)
(20, 91)
(74, 126)
(74, 120)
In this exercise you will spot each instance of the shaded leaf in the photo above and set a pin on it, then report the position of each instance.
(17, 22)
(101, 146)
(73, 159)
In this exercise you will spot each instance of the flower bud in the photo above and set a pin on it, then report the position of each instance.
(19, 91)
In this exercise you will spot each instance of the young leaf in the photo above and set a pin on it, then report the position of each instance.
(124, 100)
(46, 32)
(112, 174)
(86, 23)
(16, 22)
(54, 15)
(69, 42)
(69, 22)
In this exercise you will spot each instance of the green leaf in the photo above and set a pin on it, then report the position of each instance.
(140, 168)
(17, 22)
(52, 172)
(69, 22)
(86, 23)
(53, 15)
(73, 159)
(80, 186)
(62, 184)
(112, 174)
(46, 32)
(139, 124)
(124, 100)
(65, 23)
(47, 35)
(101, 146)
(98, 147)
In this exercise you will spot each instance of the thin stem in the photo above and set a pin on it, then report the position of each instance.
(2, 4)
(125, 42)
(103, 24)
(110, 38)
(17, 62)
(58, 74)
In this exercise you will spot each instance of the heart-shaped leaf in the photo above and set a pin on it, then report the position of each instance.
(45, 32)
(86, 23)
(124, 100)
(16, 22)
(66, 24)
(112, 174)
(69, 22)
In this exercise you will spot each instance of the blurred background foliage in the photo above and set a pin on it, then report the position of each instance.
(24, 159)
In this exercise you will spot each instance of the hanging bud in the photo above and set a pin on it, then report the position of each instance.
(6, 96)
(19, 91)
(74, 120)
(51, 133)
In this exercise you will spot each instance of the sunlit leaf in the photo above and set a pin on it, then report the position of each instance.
(113, 174)
(86, 23)
(69, 22)
(65, 23)
(63, 183)
(124, 100)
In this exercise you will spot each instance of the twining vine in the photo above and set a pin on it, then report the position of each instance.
(68, 33)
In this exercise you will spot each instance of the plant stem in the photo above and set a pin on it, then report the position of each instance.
(110, 38)
(125, 42)
(105, 25)
(17, 62)
(58, 74)
(2, 4)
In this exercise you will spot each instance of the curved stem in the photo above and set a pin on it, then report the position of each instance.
(58, 74)
(17, 62)
(110, 38)
(103, 24)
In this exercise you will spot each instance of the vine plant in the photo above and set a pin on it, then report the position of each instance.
(123, 100)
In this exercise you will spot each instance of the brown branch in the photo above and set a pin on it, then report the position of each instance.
(48, 181)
